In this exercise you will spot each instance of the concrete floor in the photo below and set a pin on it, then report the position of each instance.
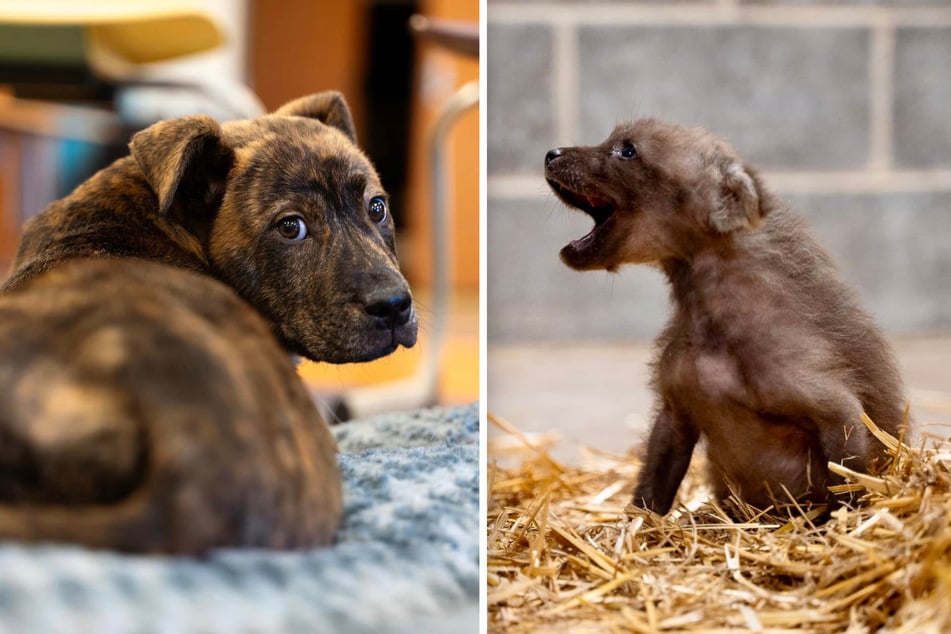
(596, 395)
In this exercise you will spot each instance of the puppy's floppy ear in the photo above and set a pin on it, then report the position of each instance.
(183, 158)
(736, 203)
(327, 107)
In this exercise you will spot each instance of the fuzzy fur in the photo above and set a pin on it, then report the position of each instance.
(149, 401)
(768, 355)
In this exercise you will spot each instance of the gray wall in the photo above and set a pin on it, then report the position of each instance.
(845, 107)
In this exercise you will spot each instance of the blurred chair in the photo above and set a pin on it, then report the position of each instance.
(121, 41)
(80, 80)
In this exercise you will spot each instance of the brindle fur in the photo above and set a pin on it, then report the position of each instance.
(148, 402)
(768, 354)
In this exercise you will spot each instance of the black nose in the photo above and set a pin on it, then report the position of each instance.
(552, 155)
(390, 309)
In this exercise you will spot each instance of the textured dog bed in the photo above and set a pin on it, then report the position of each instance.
(407, 557)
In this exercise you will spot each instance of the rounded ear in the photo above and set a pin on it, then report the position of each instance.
(183, 154)
(327, 107)
(736, 203)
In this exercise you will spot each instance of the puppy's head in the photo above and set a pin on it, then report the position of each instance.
(655, 191)
(291, 214)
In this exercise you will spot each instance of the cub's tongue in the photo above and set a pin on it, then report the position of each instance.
(596, 201)
(590, 240)
(582, 243)
(583, 253)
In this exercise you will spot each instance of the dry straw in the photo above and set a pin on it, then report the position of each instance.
(567, 554)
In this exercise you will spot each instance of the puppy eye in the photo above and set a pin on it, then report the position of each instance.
(377, 209)
(292, 228)
(628, 151)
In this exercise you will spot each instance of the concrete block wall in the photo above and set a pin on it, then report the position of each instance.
(845, 107)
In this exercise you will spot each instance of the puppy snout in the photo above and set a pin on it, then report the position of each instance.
(391, 309)
(552, 155)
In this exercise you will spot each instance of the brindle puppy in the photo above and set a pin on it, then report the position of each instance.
(768, 354)
(148, 404)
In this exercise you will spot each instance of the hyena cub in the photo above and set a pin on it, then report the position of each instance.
(768, 354)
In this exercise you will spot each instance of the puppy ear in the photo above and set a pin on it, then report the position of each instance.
(327, 107)
(183, 157)
(736, 203)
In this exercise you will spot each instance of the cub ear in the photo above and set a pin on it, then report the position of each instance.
(327, 107)
(183, 159)
(736, 203)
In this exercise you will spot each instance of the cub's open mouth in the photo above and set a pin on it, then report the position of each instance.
(600, 208)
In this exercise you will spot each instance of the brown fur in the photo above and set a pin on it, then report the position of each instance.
(768, 355)
(147, 402)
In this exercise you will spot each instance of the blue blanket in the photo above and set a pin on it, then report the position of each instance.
(407, 557)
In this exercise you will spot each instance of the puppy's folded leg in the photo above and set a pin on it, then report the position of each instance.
(64, 441)
(129, 526)
(72, 475)
(669, 449)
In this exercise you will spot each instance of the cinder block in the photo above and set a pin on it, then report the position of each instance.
(893, 248)
(923, 98)
(519, 93)
(533, 296)
(795, 98)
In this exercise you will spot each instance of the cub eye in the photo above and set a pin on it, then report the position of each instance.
(628, 151)
(292, 228)
(377, 209)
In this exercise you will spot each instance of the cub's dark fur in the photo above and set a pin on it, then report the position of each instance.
(768, 354)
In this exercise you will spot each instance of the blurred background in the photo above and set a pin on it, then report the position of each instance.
(842, 105)
(78, 78)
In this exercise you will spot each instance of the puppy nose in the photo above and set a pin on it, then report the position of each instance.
(390, 309)
(552, 155)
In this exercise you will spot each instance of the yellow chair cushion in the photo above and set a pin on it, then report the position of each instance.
(139, 32)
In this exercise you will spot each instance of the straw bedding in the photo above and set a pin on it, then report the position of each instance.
(567, 553)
